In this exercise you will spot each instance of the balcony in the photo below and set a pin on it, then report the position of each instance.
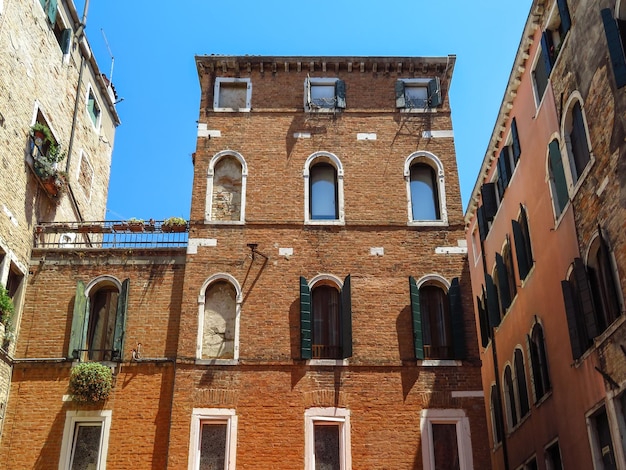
(110, 234)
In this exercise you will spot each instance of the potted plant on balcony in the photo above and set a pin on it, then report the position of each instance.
(174, 224)
(91, 382)
(47, 155)
(135, 225)
(6, 315)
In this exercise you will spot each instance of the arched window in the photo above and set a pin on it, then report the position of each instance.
(325, 318)
(323, 193)
(556, 176)
(99, 320)
(218, 314)
(226, 188)
(520, 381)
(438, 325)
(538, 362)
(576, 142)
(496, 415)
(603, 282)
(509, 398)
(423, 173)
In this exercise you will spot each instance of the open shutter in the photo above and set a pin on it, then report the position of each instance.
(586, 298)
(307, 87)
(566, 21)
(616, 48)
(346, 319)
(558, 175)
(434, 93)
(490, 203)
(418, 339)
(517, 148)
(52, 11)
(492, 302)
(305, 319)
(120, 323)
(523, 263)
(400, 100)
(458, 323)
(546, 44)
(66, 38)
(340, 94)
(504, 168)
(483, 229)
(572, 324)
(484, 322)
(503, 282)
(79, 318)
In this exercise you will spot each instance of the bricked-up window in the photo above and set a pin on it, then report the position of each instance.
(99, 320)
(520, 383)
(325, 319)
(323, 190)
(496, 415)
(213, 439)
(553, 457)
(579, 309)
(85, 439)
(418, 93)
(615, 31)
(220, 313)
(232, 94)
(601, 440)
(556, 176)
(538, 362)
(510, 399)
(446, 440)
(327, 439)
(324, 94)
(425, 185)
(576, 142)
(438, 325)
(226, 188)
(523, 248)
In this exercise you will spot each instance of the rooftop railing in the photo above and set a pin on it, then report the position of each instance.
(111, 234)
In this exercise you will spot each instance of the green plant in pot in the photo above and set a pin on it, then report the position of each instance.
(6, 313)
(174, 224)
(91, 382)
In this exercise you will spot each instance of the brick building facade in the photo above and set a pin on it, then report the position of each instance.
(47, 76)
(545, 228)
(322, 312)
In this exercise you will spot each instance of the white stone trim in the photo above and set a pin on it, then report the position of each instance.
(105, 279)
(464, 441)
(218, 415)
(74, 417)
(341, 417)
(325, 277)
(445, 134)
(433, 279)
(331, 158)
(216, 94)
(194, 243)
(431, 160)
(208, 205)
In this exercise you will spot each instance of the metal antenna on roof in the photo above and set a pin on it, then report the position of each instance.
(110, 53)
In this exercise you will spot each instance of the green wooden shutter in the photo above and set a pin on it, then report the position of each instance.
(434, 93)
(340, 93)
(572, 323)
(458, 323)
(490, 203)
(43, 3)
(66, 39)
(400, 99)
(523, 264)
(305, 320)
(77, 339)
(616, 48)
(120, 323)
(546, 56)
(346, 319)
(517, 148)
(418, 339)
(586, 298)
(492, 302)
(503, 282)
(558, 175)
(566, 21)
(52, 11)
(483, 228)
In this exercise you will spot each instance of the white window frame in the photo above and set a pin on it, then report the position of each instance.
(216, 94)
(201, 302)
(310, 82)
(338, 416)
(434, 162)
(325, 157)
(549, 464)
(428, 417)
(76, 417)
(96, 125)
(417, 83)
(208, 203)
(217, 415)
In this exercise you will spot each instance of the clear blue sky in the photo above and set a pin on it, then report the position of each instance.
(154, 44)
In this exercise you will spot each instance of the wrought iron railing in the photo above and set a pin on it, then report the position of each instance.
(110, 234)
(325, 351)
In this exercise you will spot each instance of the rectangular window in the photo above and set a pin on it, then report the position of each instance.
(540, 76)
(553, 457)
(85, 440)
(324, 94)
(601, 440)
(414, 94)
(232, 94)
(93, 108)
(446, 440)
(327, 439)
(213, 439)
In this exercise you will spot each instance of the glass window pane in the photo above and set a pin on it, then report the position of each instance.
(323, 95)
(445, 447)
(86, 446)
(423, 193)
(323, 192)
(213, 446)
(416, 96)
(327, 447)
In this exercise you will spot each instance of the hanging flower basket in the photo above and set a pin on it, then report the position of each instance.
(91, 382)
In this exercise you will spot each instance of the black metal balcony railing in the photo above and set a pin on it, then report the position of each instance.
(110, 234)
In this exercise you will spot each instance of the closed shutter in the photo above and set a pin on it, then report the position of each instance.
(572, 324)
(490, 203)
(483, 229)
(400, 99)
(580, 147)
(504, 168)
(66, 38)
(586, 298)
(566, 21)
(546, 56)
(418, 339)
(79, 318)
(458, 323)
(52, 11)
(503, 282)
(346, 319)
(434, 93)
(305, 319)
(517, 148)
(120, 323)
(340, 94)
(492, 302)
(558, 175)
(616, 47)
(523, 264)
(483, 321)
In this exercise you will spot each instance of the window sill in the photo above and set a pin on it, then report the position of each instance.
(557, 220)
(322, 110)
(528, 276)
(439, 363)
(427, 223)
(519, 424)
(231, 110)
(327, 362)
(543, 399)
(417, 110)
(583, 176)
(217, 362)
(225, 222)
(324, 222)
